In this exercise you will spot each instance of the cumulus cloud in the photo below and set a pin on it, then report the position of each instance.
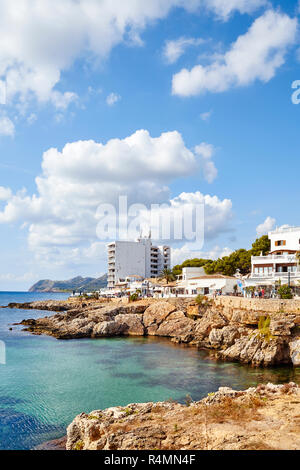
(41, 39)
(5, 193)
(112, 99)
(7, 127)
(206, 152)
(176, 48)
(255, 55)
(61, 216)
(179, 255)
(266, 226)
(224, 8)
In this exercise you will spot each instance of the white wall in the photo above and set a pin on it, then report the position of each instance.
(130, 260)
(292, 237)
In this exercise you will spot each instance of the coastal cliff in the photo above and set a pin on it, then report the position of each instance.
(261, 418)
(233, 329)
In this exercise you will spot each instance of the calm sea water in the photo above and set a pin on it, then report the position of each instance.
(45, 383)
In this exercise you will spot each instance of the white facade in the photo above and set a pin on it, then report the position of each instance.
(140, 258)
(189, 273)
(281, 264)
(206, 285)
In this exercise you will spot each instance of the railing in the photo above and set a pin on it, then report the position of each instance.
(276, 275)
(291, 258)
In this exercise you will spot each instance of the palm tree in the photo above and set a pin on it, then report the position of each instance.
(167, 275)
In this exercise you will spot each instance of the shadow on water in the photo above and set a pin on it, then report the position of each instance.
(16, 430)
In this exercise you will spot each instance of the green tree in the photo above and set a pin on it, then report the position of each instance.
(168, 275)
(262, 244)
(239, 259)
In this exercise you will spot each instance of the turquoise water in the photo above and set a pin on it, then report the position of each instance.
(46, 383)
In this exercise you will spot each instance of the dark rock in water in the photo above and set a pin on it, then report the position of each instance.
(57, 444)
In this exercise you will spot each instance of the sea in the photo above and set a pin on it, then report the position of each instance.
(45, 383)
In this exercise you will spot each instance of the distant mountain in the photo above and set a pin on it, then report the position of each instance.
(84, 284)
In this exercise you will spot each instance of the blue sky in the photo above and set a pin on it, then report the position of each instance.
(216, 77)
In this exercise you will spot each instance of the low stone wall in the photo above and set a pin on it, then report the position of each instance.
(268, 306)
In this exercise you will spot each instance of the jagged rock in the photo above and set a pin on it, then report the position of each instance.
(155, 315)
(257, 351)
(282, 326)
(108, 328)
(132, 324)
(213, 319)
(226, 336)
(295, 352)
(245, 317)
(176, 324)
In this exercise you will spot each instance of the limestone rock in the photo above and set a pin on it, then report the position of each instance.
(295, 352)
(156, 314)
(282, 326)
(108, 328)
(255, 350)
(132, 324)
(226, 336)
(213, 319)
(176, 324)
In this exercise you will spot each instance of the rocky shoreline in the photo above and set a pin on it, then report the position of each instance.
(262, 418)
(247, 335)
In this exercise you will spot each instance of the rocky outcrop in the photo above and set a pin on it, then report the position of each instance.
(233, 335)
(261, 418)
(257, 351)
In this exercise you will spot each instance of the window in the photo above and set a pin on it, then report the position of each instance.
(280, 243)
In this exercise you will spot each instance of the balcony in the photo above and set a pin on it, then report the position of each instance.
(273, 259)
(276, 276)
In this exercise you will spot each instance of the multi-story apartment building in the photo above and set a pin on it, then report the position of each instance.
(282, 263)
(140, 258)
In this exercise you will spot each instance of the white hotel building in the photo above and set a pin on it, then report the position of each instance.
(281, 264)
(136, 259)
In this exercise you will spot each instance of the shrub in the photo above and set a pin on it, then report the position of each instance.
(264, 328)
(133, 297)
(285, 292)
(78, 446)
(201, 299)
(188, 400)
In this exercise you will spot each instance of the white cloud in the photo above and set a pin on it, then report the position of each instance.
(5, 193)
(176, 48)
(266, 226)
(179, 255)
(255, 55)
(206, 116)
(42, 39)
(61, 216)
(112, 99)
(206, 152)
(63, 100)
(224, 8)
(7, 127)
